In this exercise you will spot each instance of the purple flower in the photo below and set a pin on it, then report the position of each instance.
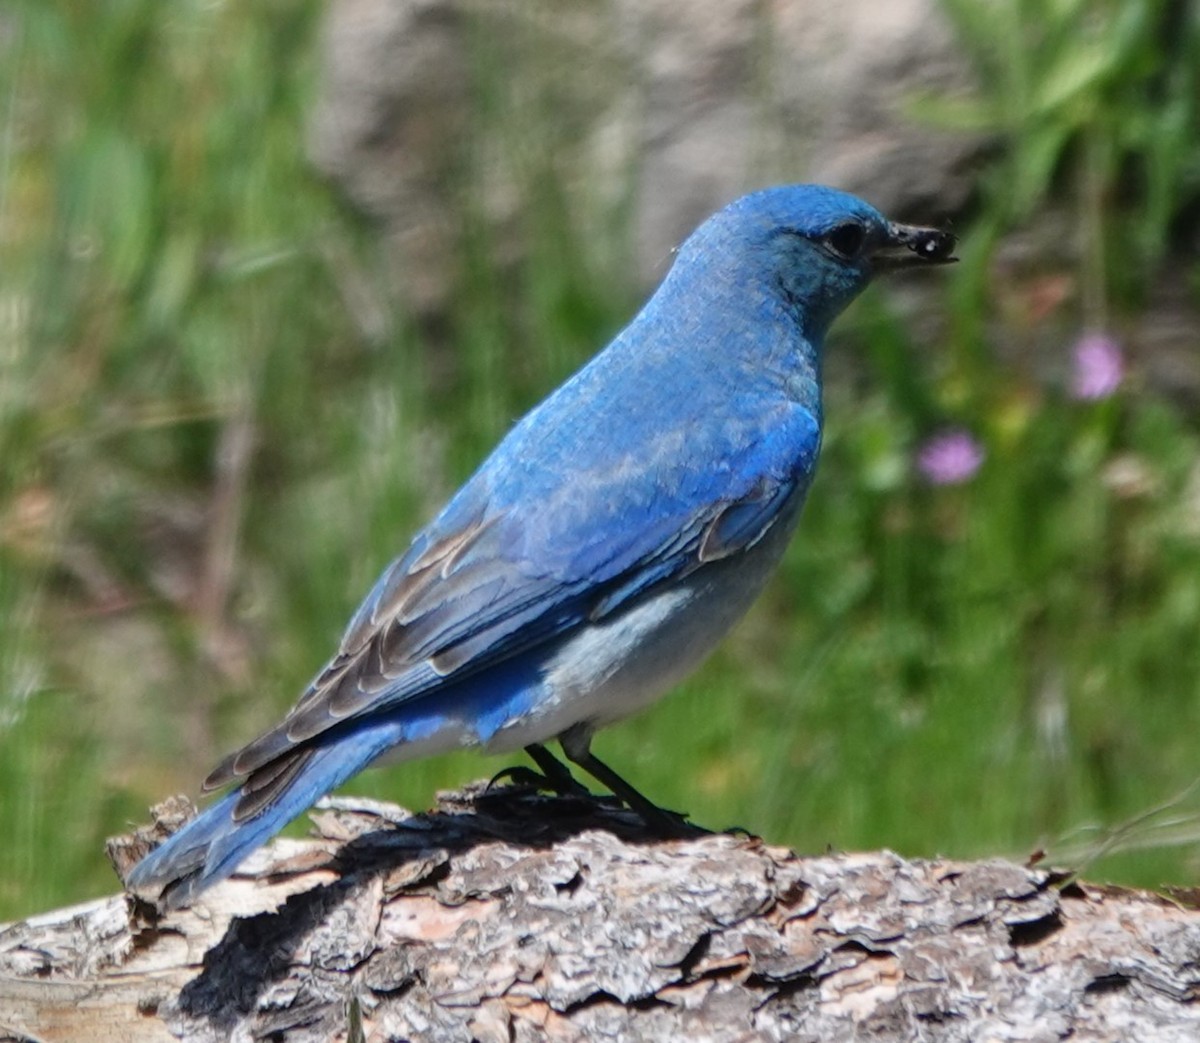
(950, 458)
(1098, 367)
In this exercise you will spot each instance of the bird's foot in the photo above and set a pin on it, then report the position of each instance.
(740, 831)
(518, 776)
(521, 777)
(670, 825)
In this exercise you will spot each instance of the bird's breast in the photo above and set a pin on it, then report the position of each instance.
(611, 669)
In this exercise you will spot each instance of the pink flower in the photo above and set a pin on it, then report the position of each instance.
(1098, 369)
(950, 458)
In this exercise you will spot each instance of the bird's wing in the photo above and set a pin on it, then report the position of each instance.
(487, 580)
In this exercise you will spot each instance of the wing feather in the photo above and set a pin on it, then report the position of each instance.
(490, 578)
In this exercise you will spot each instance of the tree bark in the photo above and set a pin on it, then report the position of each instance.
(513, 916)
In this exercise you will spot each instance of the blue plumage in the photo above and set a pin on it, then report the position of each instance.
(605, 545)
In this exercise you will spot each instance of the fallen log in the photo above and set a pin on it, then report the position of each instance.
(516, 916)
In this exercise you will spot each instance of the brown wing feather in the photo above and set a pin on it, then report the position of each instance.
(397, 634)
(262, 786)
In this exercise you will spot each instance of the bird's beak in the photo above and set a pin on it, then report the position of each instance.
(907, 246)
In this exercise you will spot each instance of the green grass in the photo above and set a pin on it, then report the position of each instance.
(210, 453)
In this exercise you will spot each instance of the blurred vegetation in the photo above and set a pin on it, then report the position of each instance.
(217, 426)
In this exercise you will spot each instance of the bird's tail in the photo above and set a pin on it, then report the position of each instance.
(210, 847)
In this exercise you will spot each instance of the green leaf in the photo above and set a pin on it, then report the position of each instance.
(967, 113)
(1075, 73)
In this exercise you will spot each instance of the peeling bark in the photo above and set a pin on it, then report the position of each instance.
(514, 916)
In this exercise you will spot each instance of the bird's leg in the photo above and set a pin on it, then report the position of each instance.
(555, 776)
(576, 744)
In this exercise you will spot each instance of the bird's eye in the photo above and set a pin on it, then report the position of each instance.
(846, 240)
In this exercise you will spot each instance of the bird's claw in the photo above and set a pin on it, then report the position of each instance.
(672, 825)
(518, 775)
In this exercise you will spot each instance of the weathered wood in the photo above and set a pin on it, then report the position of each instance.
(524, 917)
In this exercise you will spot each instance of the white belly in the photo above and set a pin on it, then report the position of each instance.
(615, 668)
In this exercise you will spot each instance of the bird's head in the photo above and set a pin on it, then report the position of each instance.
(816, 248)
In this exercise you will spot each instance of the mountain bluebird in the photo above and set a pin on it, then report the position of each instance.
(599, 553)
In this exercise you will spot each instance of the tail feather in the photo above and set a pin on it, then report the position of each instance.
(211, 846)
(262, 786)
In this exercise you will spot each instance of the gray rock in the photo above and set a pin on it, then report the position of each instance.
(649, 114)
